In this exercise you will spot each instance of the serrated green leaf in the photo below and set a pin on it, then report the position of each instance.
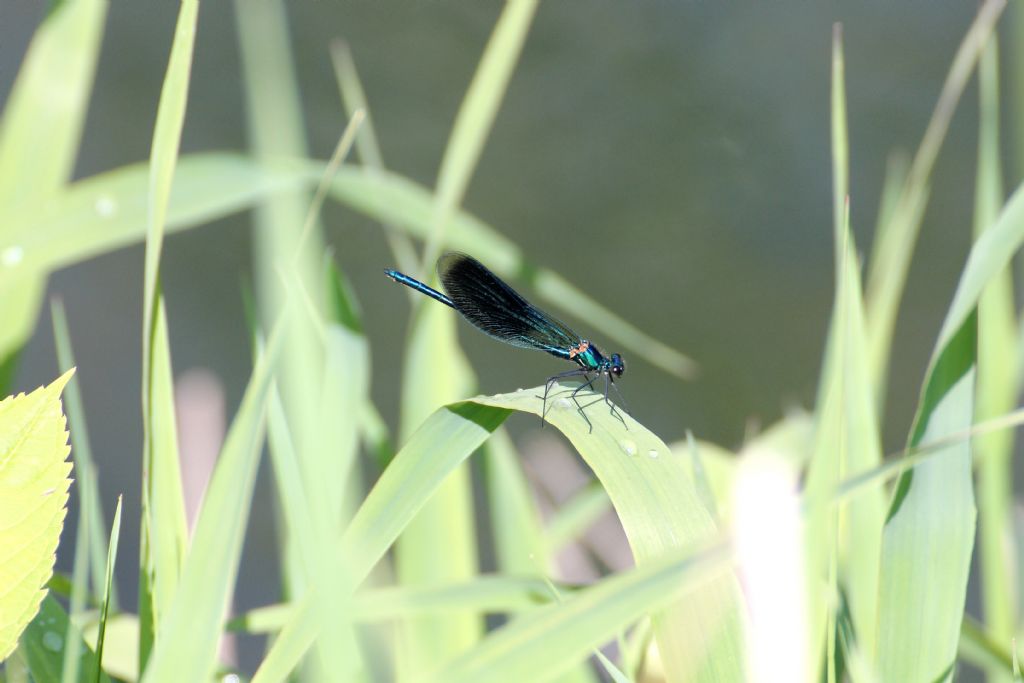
(34, 486)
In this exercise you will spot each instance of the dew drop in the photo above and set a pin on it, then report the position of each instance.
(230, 678)
(628, 447)
(105, 206)
(12, 256)
(53, 641)
(563, 403)
(652, 453)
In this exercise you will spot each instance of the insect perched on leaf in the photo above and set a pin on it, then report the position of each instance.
(493, 307)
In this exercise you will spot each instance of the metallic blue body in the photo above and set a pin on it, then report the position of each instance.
(500, 312)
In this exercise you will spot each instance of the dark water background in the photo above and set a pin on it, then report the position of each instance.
(670, 157)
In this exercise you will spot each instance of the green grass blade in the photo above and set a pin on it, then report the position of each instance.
(843, 543)
(545, 643)
(81, 454)
(997, 370)
(115, 534)
(164, 533)
(88, 534)
(482, 595)
(892, 259)
(164, 530)
(45, 639)
(657, 502)
(476, 116)
(187, 647)
(34, 483)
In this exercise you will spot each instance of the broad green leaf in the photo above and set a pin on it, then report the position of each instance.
(189, 633)
(656, 500)
(541, 645)
(45, 639)
(929, 533)
(33, 498)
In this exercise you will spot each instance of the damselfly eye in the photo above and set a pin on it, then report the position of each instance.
(618, 365)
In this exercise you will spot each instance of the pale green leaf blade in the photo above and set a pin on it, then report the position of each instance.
(929, 533)
(164, 534)
(109, 210)
(164, 531)
(543, 644)
(190, 631)
(33, 498)
(657, 502)
(39, 136)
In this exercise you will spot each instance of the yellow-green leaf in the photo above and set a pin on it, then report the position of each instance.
(33, 498)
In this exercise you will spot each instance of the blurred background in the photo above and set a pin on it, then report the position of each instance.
(671, 158)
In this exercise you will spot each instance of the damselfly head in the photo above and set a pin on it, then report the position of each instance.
(618, 365)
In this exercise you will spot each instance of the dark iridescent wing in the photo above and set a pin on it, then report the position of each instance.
(498, 310)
